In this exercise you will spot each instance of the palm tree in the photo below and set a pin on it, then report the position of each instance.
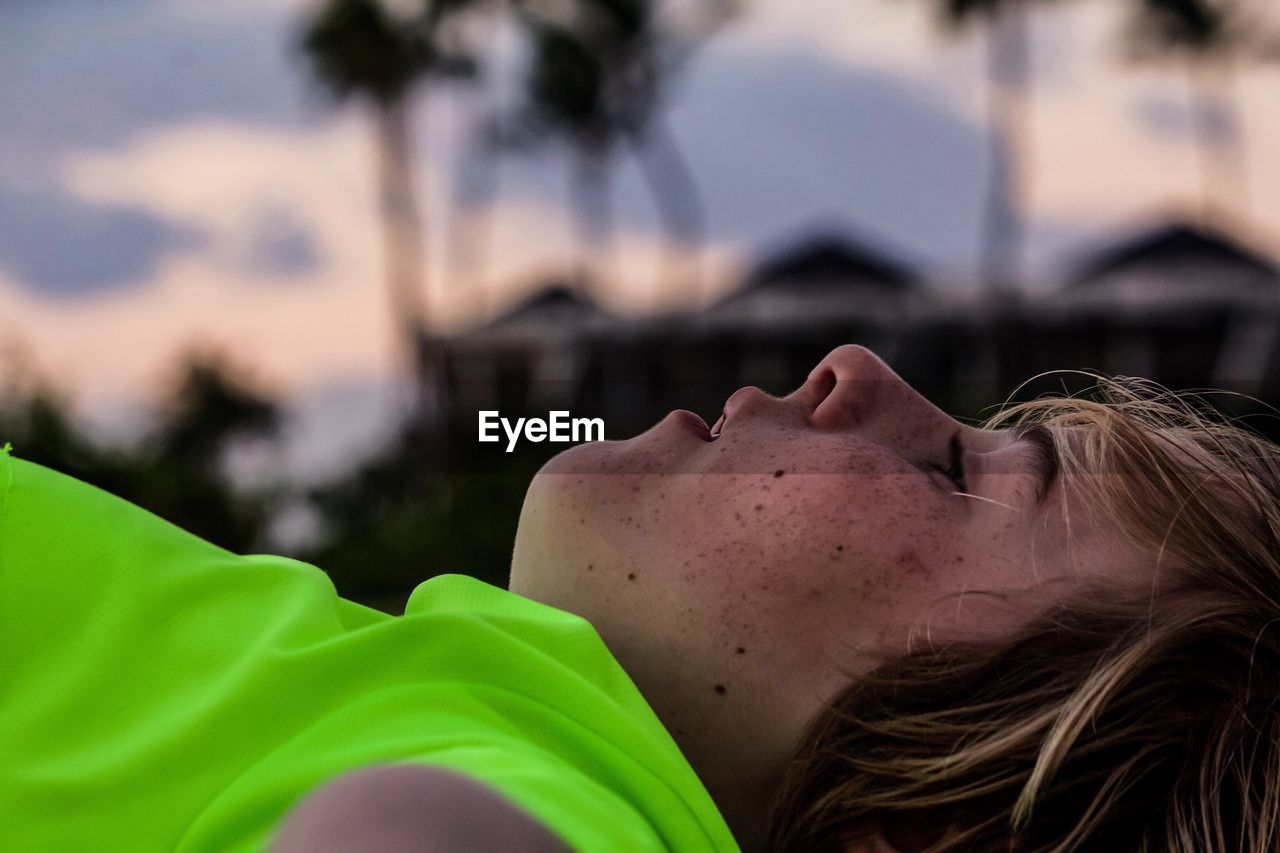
(598, 79)
(1208, 38)
(1205, 38)
(1008, 69)
(360, 49)
(566, 90)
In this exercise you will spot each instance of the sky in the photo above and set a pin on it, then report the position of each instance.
(170, 179)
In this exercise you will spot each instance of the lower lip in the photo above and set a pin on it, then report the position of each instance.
(696, 424)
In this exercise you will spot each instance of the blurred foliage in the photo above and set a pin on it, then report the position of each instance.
(362, 48)
(394, 520)
(175, 469)
(599, 76)
(1192, 29)
(397, 520)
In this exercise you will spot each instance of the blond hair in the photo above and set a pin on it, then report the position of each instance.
(1120, 719)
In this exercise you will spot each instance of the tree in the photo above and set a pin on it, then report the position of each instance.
(598, 78)
(360, 48)
(1206, 38)
(1008, 68)
(177, 469)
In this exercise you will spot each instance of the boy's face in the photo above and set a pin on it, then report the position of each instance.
(742, 581)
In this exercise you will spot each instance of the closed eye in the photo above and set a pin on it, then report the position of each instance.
(1043, 455)
(955, 470)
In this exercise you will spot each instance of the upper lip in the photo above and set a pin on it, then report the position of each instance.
(718, 426)
(729, 407)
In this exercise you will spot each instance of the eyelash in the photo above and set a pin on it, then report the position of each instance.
(955, 471)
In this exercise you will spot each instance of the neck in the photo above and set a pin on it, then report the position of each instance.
(743, 794)
(748, 820)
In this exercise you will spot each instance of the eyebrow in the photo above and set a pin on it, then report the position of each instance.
(1044, 455)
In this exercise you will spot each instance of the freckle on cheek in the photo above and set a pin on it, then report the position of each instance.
(910, 563)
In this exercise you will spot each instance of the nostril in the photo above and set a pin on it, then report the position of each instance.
(842, 400)
(824, 384)
(819, 384)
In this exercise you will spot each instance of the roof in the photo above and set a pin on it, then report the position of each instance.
(824, 258)
(555, 304)
(1176, 244)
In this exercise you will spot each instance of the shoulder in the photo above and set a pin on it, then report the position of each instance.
(406, 807)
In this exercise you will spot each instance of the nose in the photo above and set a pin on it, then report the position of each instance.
(745, 399)
(853, 386)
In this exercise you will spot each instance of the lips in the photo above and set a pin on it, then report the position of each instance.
(700, 426)
(693, 421)
(735, 402)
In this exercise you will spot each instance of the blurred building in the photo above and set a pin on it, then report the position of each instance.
(1172, 267)
(1184, 302)
(825, 279)
(534, 355)
(809, 296)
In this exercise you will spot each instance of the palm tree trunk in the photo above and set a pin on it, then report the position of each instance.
(404, 254)
(593, 212)
(1223, 164)
(1008, 75)
(1008, 113)
(675, 193)
(470, 246)
(1229, 87)
(1203, 134)
(401, 219)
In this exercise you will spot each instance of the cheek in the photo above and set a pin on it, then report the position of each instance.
(825, 547)
(774, 531)
(743, 549)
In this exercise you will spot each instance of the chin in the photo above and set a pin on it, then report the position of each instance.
(574, 460)
(546, 502)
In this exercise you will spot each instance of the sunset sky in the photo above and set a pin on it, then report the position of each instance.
(169, 177)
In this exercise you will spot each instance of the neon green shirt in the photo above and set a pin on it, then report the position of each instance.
(160, 693)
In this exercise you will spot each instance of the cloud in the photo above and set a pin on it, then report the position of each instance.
(776, 139)
(1172, 119)
(280, 244)
(95, 76)
(63, 247)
